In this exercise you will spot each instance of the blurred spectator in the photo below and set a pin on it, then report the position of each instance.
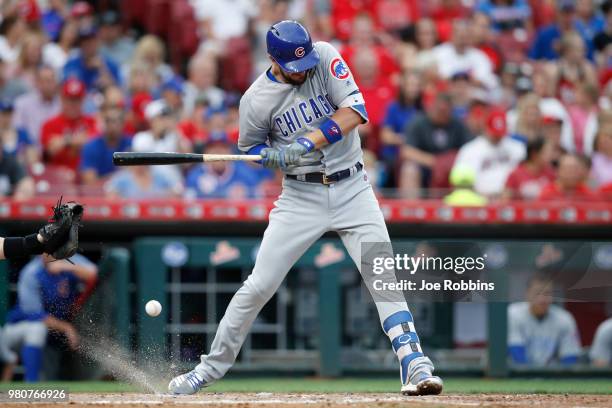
(445, 12)
(233, 180)
(56, 54)
(142, 183)
(63, 135)
(142, 80)
(601, 349)
(528, 118)
(572, 69)
(363, 37)
(492, 155)
(540, 333)
(54, 17)
(399, 114)
(97, 154)
(483, 38)
(462, 179)
(83, 14)
(12, 32)
(202, 83)
(89, 64)
(194, 128)
(162, 135)
(394, 15)
(418, 53)
(220, 21)
(16, 141)
(589, 20)
(459, 56)
(551, 130)
(30, 58)
(10, 89)
(528, 179)
(36, 107)
(46, 296)
(172, 94)
(116, 45)
(427, 136)
(377, 91)
(601, 171)
(583, 116)
(546, 44)
(150, 51)
(14, 181)
(603, 38)
(506, 14)
(551, 108)
(571, 180)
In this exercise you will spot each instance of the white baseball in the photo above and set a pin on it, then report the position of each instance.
(153, 308)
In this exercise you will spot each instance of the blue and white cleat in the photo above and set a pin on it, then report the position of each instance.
(423, 383)
(186, 384)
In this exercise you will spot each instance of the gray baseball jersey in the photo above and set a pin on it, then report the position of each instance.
(278, 113)
(601, 349)
(546, 340)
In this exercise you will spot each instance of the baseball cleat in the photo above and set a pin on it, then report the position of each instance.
(423, 383)
(186, 384)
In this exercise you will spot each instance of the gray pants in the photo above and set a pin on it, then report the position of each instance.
(302, 214)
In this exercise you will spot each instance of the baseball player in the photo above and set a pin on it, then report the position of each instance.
(301, 116)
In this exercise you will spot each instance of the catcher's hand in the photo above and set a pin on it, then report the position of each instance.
(61, 235)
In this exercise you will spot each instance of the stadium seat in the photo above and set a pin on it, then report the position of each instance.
(184, 42)
(157, 13)
(236, 65)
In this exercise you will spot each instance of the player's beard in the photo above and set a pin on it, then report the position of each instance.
(292, 80)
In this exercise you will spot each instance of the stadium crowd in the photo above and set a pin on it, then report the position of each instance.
(496, 99)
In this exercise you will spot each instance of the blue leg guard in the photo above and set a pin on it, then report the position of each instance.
(31, 357)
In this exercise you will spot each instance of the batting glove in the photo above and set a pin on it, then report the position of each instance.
(296, 150)
(272, 158)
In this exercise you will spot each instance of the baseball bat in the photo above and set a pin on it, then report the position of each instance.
(141, 159)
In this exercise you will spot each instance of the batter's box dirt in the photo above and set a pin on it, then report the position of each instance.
(298, 400)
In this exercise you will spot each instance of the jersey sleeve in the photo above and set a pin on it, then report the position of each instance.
(29, 292)
(569, 344)
(253, 130)
(601, 349)
(342, 90)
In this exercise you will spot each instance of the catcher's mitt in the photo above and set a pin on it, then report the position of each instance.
(61, 235)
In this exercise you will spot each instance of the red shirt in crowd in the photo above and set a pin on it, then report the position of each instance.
(61, 126)
(525, 184)
(387, 66)
(552, 192)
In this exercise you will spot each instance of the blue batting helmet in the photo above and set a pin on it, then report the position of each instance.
(290, 45)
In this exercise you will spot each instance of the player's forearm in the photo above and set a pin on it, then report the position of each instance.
(57, 325)
(20, 247)
(345, 118)
(84, 272)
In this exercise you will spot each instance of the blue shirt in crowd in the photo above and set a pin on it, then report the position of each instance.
(546, 44)
(238, 180)
(98, 155)
(75, 67)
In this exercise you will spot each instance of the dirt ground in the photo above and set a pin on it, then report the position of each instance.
(268, 400)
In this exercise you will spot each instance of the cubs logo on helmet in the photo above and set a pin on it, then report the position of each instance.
(338, 69)
(299, 52)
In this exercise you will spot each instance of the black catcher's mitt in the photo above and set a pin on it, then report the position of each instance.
(61, 235)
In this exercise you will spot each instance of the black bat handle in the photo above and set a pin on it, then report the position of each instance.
(140, 159)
